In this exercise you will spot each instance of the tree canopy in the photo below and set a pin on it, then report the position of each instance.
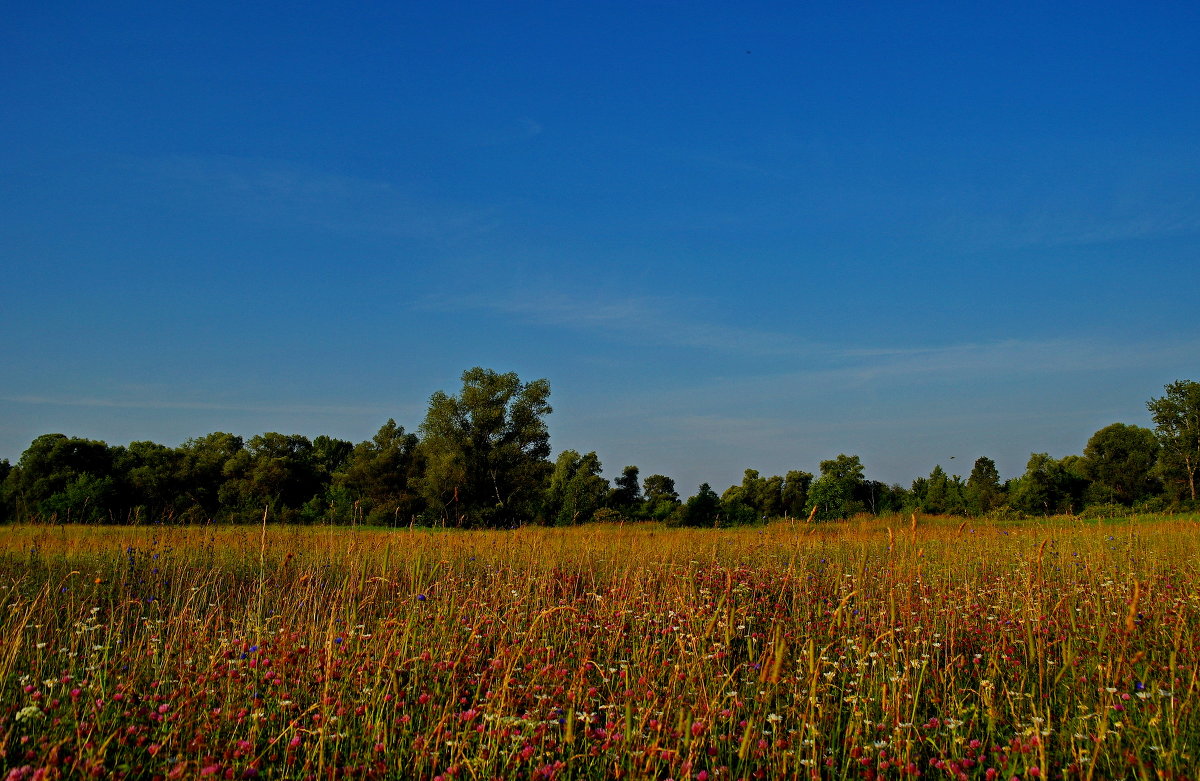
(1177, 424)
(482, 458)
(485, 449)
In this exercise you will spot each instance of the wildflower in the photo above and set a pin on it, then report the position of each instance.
(29, 712)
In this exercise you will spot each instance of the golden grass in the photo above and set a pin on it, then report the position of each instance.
(877, 648)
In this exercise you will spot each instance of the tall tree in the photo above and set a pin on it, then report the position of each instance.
(576, 489)
(1049, 485)
(701, 509)
(203, 474)
(934, 494)
(833, 495)
(486, 448)
(376, 480)
(1120, 461)
(6, 508)
(763, 495)
(661, 497)
(1177, 424)
(67, 478)
(330, 455)
(626, 495)
(274, 471)
(983, 491)
(795, 492)
(150, 474)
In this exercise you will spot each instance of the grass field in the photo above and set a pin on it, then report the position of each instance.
(870, 649)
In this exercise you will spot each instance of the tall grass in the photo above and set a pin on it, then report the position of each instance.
(881, 648)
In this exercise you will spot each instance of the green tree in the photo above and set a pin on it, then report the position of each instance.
(576, 488)
(887, 498)
(983, 491)
(660, 496)
(151, 478)
(1177, 424)
(734, 511)
(1049, 486)
(67, 478)
(626, 495)
(701, 509)
(276, 472)
(330, 455)
(795, 492)
(939, 494)
(834, 493)
(376, 482)
(1120, 460)
(761, 496)
(86, 498)
(203, 474)
(6, 509)
(485, 450)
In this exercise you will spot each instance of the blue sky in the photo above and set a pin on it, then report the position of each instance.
(730, 235)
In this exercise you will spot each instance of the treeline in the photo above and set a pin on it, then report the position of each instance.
(482, 459)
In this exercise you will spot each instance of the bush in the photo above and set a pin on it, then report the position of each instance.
(1005, 513)
(737, 513)
(607, 515)
(1104, 510)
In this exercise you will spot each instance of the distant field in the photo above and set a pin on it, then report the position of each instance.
(873, 649)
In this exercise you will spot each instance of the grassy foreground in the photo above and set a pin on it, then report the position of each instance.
(873, 649)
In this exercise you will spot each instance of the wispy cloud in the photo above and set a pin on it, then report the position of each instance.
(514, 132)
(159, 404)
(647, 319)
(666, 322)
(286, 193)
(1057, 225)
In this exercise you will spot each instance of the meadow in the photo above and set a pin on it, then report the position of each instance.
(876, 648)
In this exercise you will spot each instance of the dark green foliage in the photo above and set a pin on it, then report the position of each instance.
(881, 498)
(483, 462)
(1120, 460)
(699, 510)
(763, 497)
(661, 499)
(485, 450)
(626, 495)
(939, 494)
(735, 512)
(202, 473)
(837, 493)
(576, 489)
(330, 455)
(64, 479)
(795, 493)
(153, 488)
(1177, 425)
(1049, 486)
(375, 482)
(274, 474)
(983, 491)
(7, 512)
